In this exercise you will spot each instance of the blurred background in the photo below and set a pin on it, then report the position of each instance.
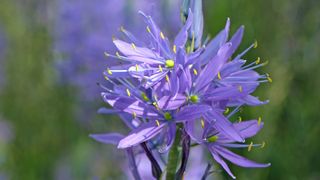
(51, 56)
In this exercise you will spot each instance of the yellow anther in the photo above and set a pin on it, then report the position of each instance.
(240, 88)
(158, 123)
(134, 115)
(109, 71)
(250, 146)
(137, 67)
(226, 111)
(174, 48)
(219, 76)
(144, 96)
(106, 78)
(239, 119)
(167, 78)
(258, 60)
(263, 144)
(161, 35)
(195, 72)
(133, 46)
(202, 123)
(128, 92)
(106, 54)
(255, 45)
(269, 79)
(160, 68)
(259, 121)
(155, 105)
(148, 29)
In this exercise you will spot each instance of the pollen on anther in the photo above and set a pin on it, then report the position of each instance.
(255, 45)
(137, 68)
(263, 144)
(133, 46)
(195, 72)
(219, 76)
(250, 146)
(240, 88)
(148, 29)
(202, 123)
(158, 123)
(258, 60)
(167, 78)
(160, 68)
(269, 79)
(134, 115)
(109, 71)
(161, 35)
(259, 121)
(226, 111)
(174, 48)
(239, 119)
(128, 92)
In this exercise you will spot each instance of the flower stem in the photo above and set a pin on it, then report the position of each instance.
(173, 156)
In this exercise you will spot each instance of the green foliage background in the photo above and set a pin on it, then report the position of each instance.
(47, 134)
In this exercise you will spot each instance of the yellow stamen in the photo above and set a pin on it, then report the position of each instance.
(259, 121)
(202, 123)
(226, 111)
(161, 35)
(239, 118)
(148, 29)
(255, 45)
(106, 78)
(195, 72)
(240, 88)
(263, 144)
(134, 115)
(167, 78)
(133, 46)
(155, 105)
(219, 76)
(250, 146)
(174, 48)
(137, 67)
(258, 60)
(128, 92)
(109, 71)
(269, 79)
(158, 123)
(160, 68)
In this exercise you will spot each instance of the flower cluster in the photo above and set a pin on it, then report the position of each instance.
(172, 94)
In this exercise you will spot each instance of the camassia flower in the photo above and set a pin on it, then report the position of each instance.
(161, 89)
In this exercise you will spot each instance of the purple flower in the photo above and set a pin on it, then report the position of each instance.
(163, 89)
(217, 143)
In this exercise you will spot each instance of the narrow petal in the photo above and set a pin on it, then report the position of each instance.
(109, 138)
(249, 128)
(213, 67)
(236, 40)
(219, 160)
(130, 105)
(223, 125)
(141, 134)
(239, 160)
(191, 112)
(182, 36)
(214, 45)
(170, 103)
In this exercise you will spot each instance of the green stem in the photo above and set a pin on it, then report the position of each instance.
(173, 156)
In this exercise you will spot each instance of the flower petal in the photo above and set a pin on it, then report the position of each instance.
(109, 138)
(248, 128)
(182, 36)
(191, 112)
(141, 134)
(239, 160)
(219, 160)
